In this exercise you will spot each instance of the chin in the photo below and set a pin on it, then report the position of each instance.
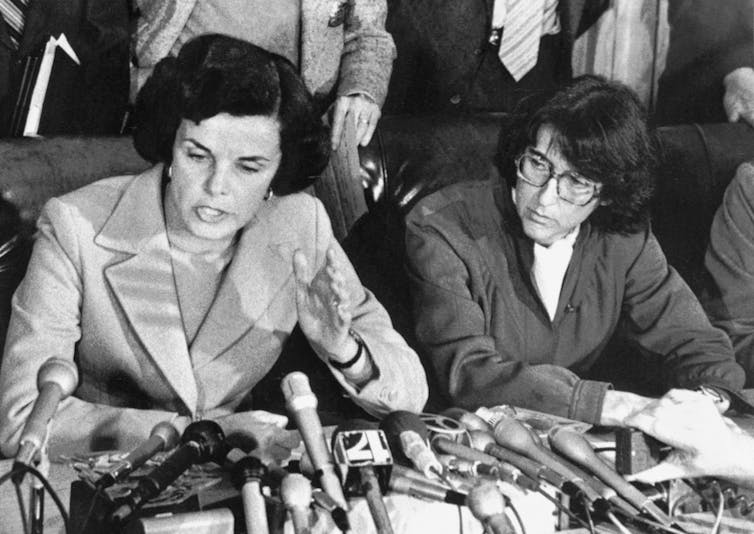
(538, 234)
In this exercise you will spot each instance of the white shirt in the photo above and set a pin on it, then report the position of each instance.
(549, 268)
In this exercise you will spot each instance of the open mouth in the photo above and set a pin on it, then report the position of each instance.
(210, 215)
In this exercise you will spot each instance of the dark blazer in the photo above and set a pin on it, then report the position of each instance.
(99, 32)
(445, 62)
(481, 323)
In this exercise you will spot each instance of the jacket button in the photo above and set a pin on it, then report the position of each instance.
(455, 99)
(478, 52)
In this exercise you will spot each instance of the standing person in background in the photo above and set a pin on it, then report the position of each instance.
(342, 51)
(481, 55)
(708, 74)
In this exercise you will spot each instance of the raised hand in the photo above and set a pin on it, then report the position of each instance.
(325, 306)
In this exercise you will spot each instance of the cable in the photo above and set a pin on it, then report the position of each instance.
(56, 499)
(614, 520)
(518, 516)
(585, 504)
(89, 512)
(22, 508)
(563, 508)
(720, 508)
(654, 524)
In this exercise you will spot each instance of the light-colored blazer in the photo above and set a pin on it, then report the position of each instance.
(353, 57)
(100, 290)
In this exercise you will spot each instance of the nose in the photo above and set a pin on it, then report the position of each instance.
(218, 181)
(548, 194)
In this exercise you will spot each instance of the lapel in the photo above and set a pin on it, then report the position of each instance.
(261, 266)
(143, 283)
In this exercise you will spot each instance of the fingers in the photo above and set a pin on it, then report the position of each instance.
(659, 473)
(338, 120)
(338, 285)
(270, 418)
(374, 117)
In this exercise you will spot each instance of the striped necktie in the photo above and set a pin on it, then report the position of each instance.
(14, 13)
(519, 45)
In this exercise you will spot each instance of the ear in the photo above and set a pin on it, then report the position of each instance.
(513, 195)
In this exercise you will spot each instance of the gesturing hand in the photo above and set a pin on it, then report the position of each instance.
(360, 109)
(324, 305)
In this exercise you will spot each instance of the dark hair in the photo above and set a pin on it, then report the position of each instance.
(600, 127)
(220, 74)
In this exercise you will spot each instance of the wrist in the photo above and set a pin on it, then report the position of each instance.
(618, 406)
(350, 352)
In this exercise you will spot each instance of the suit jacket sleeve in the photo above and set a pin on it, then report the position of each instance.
(400, 382)
(46, 322)
(665, 317)
(730, 262)
(451, 327)
(368, 51)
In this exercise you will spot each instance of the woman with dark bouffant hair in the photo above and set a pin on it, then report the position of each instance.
(174, 291)
(520, 284)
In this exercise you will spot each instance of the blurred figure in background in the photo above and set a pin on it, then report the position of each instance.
(709, 74)
(481, 55)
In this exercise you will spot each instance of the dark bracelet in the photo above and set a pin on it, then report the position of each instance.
(352, 361)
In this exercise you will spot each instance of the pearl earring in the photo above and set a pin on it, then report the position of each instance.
(270, 194)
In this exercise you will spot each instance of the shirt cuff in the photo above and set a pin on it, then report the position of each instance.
(587, 399)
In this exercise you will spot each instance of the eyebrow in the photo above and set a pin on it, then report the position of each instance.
(253, 159)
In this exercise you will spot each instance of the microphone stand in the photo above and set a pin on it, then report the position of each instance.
(37, 497)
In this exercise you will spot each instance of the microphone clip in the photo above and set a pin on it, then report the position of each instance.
(354, 449)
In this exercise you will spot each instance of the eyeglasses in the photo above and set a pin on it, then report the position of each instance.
(535, 169)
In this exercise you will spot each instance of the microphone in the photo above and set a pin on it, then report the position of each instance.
(576, 448)
(164, 436)
(409, 482)
(513, 435)
(365, 453)
(484, 442)
(487, 504)
(302, 405)
(406, 432)
(339, 516)
(57, 379)
(506, 470)
(247, 476)
(202, 441)
(296, 492)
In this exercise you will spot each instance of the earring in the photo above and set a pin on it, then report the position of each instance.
(170, 171)
(270, 194)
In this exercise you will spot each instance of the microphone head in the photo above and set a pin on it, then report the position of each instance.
(513, 435)
(210, 438)
(296, 385)
(485, 501)
(61, 372)
(571, 444)
(167, 433)
(296, 491)
(468, 419)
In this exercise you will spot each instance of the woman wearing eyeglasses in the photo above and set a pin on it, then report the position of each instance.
(518, 285)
